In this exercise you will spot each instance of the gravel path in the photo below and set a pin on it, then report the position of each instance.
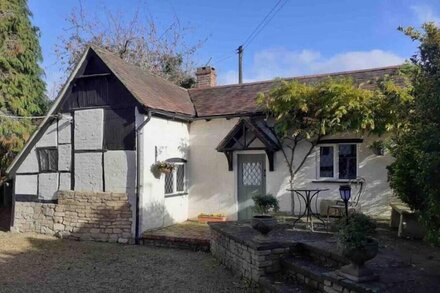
(36, 263)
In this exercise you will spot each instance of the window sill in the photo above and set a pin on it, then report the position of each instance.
(336, 181)
(175, 194)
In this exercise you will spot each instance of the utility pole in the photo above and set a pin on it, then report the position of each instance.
(240, 64)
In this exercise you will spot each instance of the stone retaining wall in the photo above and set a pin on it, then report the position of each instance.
(99, 216)
(249, 262)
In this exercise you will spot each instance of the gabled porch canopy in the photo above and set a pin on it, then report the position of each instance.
(249, 134)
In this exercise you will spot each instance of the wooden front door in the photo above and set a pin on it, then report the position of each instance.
(251, 181)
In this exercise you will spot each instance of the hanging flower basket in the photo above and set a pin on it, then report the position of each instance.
(163, 167)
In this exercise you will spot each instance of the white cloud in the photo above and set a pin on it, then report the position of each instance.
(425, 13)
(281, 62)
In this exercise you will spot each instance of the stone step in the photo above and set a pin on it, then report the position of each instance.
(278, 284)
(304, 271)
(195, 244)
(318, 255)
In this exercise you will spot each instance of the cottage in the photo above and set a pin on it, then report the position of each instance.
(112, 122)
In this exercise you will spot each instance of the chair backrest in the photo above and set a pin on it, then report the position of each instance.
(360, 183)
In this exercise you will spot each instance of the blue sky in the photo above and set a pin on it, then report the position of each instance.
(305, 37)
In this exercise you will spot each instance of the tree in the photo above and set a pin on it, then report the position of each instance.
(304, 113)
(415, 174)
(138, 41)
(21, 85)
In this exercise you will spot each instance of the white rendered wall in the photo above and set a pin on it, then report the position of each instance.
(89, 129)
(88, 137)
(47, 185)
(48, 139)
(30, 163)
(26, 184)
(64, 129)
(120, 175)
(213, 188)
(167, 139)
(29, 181)
(50, 136)
(88, 171)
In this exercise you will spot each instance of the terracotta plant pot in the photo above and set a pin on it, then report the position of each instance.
(263, 223)
(206, 219)
(356, 270)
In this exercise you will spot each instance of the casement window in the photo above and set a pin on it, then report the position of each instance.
(47, 159)
(175, 182)
(326, 162)
(338, 161)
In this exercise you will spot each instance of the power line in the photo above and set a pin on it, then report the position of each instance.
(266, 20)
(21, 117)
(258, 29)
(262, 22)
(224, 58)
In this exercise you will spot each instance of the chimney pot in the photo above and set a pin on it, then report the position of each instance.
(206, 77)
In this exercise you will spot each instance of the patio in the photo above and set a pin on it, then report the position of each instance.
(290, 257)
(190, 235)
(308, 258)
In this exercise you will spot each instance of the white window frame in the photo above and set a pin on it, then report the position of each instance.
(185, 180)
(335, 161)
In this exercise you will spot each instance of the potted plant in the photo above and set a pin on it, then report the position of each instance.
(205, 218)
(161, 167)
(356, 244)
(263, 221)
(378, 147)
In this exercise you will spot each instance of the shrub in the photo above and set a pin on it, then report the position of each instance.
(354, 234)
(415, 173)
(265, 204)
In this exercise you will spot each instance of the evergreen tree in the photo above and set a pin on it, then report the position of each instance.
(415, 174)
(21, 85)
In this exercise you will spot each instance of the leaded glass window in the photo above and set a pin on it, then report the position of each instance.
(180, 178)
(175, 182)
(169, 183)
(326, 162)
(252, 174)
(48, 159)
(347, 161)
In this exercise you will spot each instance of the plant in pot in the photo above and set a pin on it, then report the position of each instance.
(356, 244)
(263, 221)
(161, 167)
(378, 147)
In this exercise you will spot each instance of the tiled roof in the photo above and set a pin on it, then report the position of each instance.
(150, 90)
(240, 98)
(157, 93)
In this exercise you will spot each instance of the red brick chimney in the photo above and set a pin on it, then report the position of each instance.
(206, 77)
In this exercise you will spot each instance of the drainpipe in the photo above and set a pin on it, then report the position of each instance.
(138, 176)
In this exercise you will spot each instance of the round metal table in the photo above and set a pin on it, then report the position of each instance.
(307, 196)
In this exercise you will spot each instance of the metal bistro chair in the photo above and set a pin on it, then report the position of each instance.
(338, 207)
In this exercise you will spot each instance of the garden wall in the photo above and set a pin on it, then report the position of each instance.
(248, 261)
(99, 216)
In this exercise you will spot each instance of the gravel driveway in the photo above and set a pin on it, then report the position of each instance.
(36, 263)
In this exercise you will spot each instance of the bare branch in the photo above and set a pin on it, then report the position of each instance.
(138, 40)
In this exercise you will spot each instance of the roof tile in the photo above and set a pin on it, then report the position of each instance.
(150, 90)
(241, 98)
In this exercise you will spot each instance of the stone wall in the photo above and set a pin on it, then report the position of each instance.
(249, 262)
(99, 216)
